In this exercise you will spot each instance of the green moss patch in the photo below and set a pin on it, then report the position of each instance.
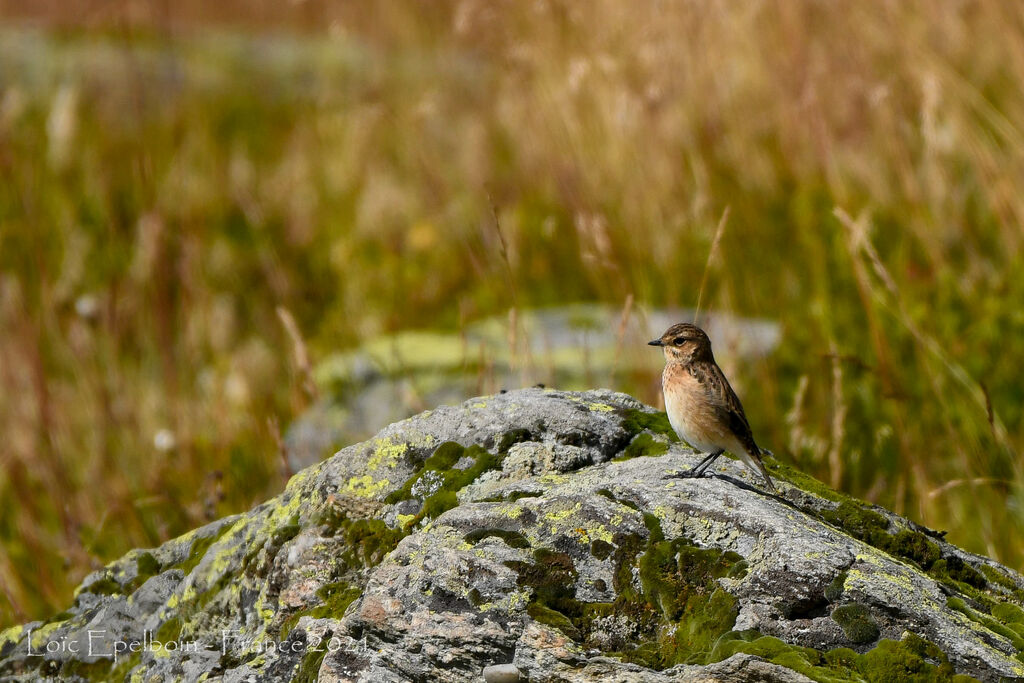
(954, 570)
(912, 659)
(308, 669)
(636, 421)
(869, 526)
(101, 669)
(857, 623)
(439, 475)
(367, 542)
(1000, 579)
(146, 567)
(1014, 636)
(199, 548)
(643, 445)
(511, 497)
(1011, 615)
(335, 597)
(512, 437)
(675, 617)
(835, 589)
(512, 538)
(602, 550)
(105, 586)
(804, 482)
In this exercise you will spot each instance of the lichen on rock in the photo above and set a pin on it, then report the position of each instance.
(543, 529)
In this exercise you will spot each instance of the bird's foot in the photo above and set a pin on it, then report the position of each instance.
(691, 473)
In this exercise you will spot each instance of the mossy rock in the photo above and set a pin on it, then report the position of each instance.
(430, 550)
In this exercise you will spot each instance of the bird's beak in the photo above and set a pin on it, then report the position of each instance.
(655, 342)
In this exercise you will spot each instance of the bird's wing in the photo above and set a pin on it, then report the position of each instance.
(726, 402)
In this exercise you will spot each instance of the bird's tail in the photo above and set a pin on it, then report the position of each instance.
(755, 464)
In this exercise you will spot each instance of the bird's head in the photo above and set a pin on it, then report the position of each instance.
(684, 343)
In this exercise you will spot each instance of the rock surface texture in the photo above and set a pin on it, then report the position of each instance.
(545, 530)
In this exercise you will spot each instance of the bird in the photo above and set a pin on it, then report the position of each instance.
(701, 405)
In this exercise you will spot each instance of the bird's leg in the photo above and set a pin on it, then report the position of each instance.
(703, 465)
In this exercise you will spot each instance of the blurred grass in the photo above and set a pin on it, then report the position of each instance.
(163, 191)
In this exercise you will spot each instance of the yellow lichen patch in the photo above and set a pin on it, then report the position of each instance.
(11, 635)
(601, 533)
(559, 515)
(404, 520)
(553, 478)
(366, 486)
(506, 604)
(510, 510)
(480, 404)
(872, 556)
(514, 599)
(600, 407)
(386, 453)
(299, 477)
(265, 611)
(189, 594)
(897, 579)
(40, 636)
(598, 532)
(222, 562)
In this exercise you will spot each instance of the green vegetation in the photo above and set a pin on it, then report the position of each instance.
(857, 623)
(308, 669)
(1011, 634)
(676, 616)
(443, 480)
(636, 421)
(912, 659)
(835, 589)
(197, 550)
(511, 496)
(163, 192)
(643, 445)
(512, 538)
(146, 566)
(869, 526)
(335, 599)
(681, 615)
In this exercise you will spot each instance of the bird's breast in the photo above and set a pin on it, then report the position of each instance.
(690, 412)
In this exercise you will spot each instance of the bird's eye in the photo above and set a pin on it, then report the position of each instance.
(678, 341)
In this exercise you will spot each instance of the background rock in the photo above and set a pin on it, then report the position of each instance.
(546, 530)
(572, 347)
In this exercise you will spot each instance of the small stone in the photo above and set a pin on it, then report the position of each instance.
(501, 673)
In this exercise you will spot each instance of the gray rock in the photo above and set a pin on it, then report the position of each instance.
(544, 530)
(501, 673)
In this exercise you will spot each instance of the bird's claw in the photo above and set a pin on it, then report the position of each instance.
(688, 474)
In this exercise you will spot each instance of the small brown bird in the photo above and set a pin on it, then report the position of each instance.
(702, 408)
